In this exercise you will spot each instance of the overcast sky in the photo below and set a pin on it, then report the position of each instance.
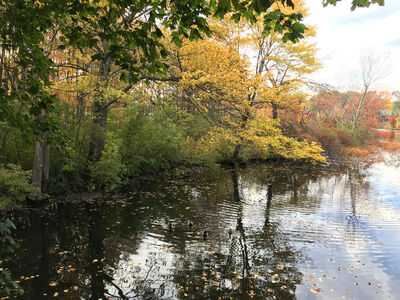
(344, 35)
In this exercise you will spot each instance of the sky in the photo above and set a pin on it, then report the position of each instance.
(344, 36)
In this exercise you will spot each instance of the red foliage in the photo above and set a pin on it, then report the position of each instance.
(384, 135)
(333, 107)
(326, 137)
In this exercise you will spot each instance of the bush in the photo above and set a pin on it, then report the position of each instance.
(391, 146)
(355, 151)
(15, 185)
(109, 171)
(69, 159)
(385, 135)
(362, 136)
(344, 138)
(16, 147)
(327, 137)
(207, 150)
(149, 143)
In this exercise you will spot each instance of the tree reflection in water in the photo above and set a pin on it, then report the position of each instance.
(125, 248)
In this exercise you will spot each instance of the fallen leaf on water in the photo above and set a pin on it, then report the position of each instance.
(318, 290)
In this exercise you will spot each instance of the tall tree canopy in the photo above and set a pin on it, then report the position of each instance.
(117, 29)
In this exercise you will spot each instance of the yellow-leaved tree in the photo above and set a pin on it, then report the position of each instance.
(218, 81)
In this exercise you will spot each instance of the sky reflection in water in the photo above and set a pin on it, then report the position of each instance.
(311, 233)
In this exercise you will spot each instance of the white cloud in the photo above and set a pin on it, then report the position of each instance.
(344, 35)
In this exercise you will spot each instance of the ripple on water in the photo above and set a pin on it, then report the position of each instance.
(315, 233)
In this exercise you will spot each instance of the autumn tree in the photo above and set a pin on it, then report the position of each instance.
(283, 65)
(216, 80)
(115, 33)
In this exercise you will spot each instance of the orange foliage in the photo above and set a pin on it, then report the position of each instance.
(355, 151)
(391, 146)
(335, 107)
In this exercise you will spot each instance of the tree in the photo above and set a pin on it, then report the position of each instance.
(220, 79)
(217, 83)
(333, 114)
(355, 3)
(283, 65)
(373, 68)
(396, 103)
(118, 33)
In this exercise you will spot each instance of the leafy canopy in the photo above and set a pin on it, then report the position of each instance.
(130, 30)
(356, 3)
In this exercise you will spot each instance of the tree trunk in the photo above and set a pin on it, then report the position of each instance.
(274, 111)
(41, 164)
(80, 107)
(100, 108)
(236, 153)
(98, 135)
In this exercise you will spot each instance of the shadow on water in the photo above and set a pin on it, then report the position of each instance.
(255, 233)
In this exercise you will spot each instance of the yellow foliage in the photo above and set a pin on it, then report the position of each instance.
(218, 81)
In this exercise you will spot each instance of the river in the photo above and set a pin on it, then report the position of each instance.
(261, 232)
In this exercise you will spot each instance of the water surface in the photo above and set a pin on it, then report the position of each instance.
(262, 232)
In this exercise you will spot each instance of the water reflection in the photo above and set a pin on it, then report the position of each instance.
(260, 232)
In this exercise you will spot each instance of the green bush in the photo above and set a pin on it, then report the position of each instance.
(16, 147)
(14, 185)
(107, 173)
(149, 142)
(69, 160)
(195, 125)
(361, 136)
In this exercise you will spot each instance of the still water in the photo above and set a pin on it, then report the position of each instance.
(262, 232)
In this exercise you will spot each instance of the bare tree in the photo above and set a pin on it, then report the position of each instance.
(374, 67)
